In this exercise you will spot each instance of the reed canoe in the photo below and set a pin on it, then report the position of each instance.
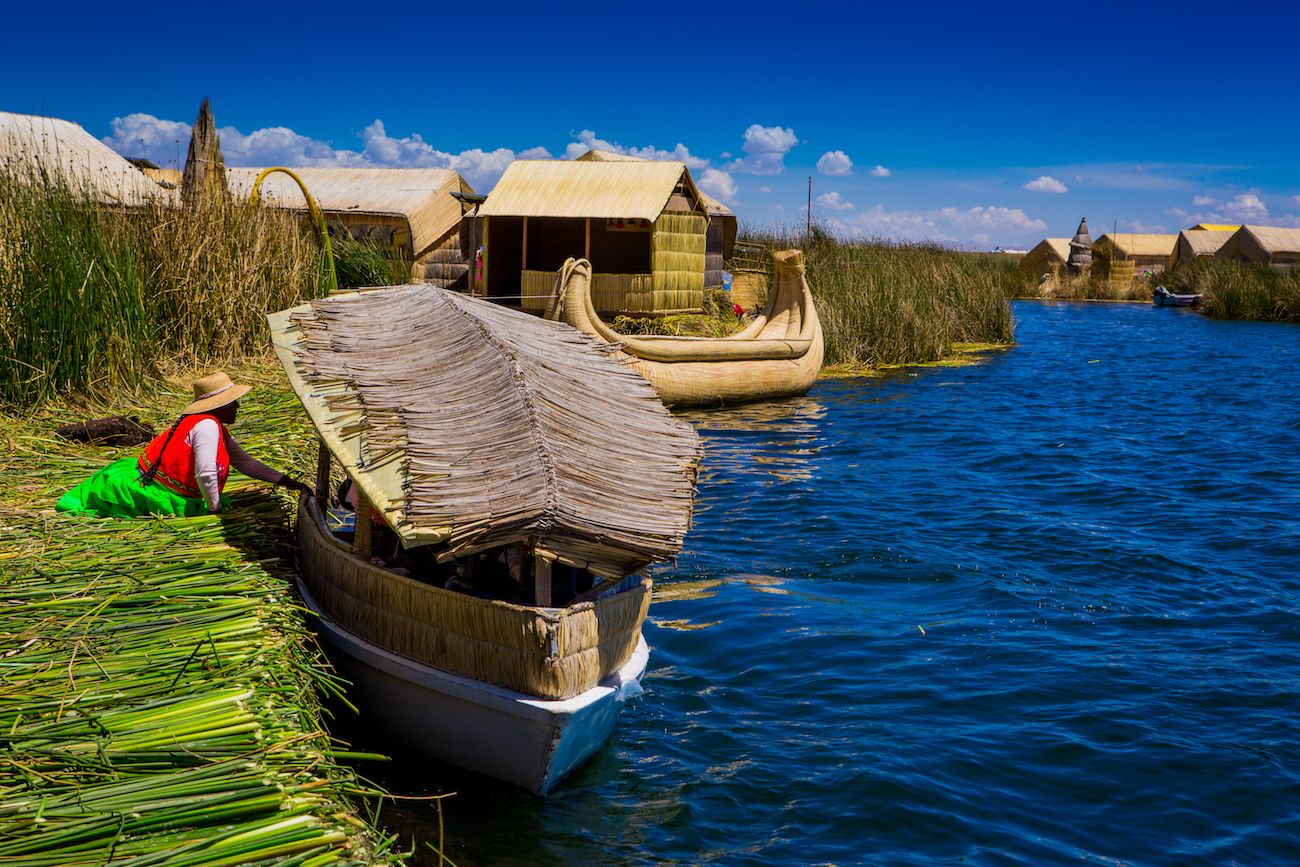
(777, 355)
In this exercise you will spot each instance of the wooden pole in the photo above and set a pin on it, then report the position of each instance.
(362, 542)
(586, 249)
(323, 475)
(807, 233)
(542, 579)
(524, 255)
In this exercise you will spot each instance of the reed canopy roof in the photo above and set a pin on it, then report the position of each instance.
(470, 424)
(1273, 239)
(625, 189)
(420, 196)
(1214, 227)
(35, 146)
(712, 205)
(1127, 244)
(1203, 242)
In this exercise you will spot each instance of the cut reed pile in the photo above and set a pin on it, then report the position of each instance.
(885, 303)
(1239, 290)
(94, 297)
(158, 697)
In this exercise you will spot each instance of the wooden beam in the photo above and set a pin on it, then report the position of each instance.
(542, 579)
(524, 255)
(362, 543)
(586, 250)
(323, 475)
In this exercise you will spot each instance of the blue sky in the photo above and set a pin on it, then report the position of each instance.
(975, 124)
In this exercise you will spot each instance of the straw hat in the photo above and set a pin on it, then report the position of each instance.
(214, 390)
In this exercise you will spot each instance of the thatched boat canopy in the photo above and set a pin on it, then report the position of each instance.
(32, 146)
(468, 424)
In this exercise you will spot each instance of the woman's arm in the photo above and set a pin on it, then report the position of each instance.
(203, 439)
(255, 469)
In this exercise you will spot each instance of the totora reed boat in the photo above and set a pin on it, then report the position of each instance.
(777, 355)
(480, 584)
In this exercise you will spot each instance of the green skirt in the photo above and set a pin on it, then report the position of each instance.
(115, 492)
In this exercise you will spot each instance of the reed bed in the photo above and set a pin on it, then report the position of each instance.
(1088, 287)
(1239, 290)
(96, 297)
(158, 688)
(884, 303)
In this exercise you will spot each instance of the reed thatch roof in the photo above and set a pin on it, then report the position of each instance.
(420, 196)
(712, 205)
(468, 423)
(1046, 254)
(1268, 244)
(1214, 227)
(630, 189)
(1127, 244)
(34, 145)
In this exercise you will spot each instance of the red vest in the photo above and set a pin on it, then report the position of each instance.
(176, 469)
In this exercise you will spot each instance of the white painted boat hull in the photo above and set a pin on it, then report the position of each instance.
(531, 742)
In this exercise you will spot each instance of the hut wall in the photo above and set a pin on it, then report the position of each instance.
(444, 264)
(714, 255)
(678, 259)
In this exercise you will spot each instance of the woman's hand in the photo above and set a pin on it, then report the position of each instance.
(295, 485)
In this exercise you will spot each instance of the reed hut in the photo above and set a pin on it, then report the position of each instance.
(1080, 258)
(1047, 257)
(642, 224)
(1273, 246)
(1127, 254)
(1215, 227)
(35, 147)
(1197, 242)
(409, 213)
(720, 243)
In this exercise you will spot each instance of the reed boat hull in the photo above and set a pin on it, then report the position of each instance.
(527, 741)
(776, 356)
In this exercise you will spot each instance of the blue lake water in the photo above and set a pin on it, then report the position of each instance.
(1045, 609)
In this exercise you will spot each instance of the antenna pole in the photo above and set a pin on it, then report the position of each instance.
(807, 232)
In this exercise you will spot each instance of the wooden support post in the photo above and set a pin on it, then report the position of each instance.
(586, 250)
(523, 258)
(361, 539)
(542, 579)
(323, 475)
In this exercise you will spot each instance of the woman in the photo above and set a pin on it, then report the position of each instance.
(183, 470)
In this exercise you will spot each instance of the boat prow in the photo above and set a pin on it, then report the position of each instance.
(777, 355)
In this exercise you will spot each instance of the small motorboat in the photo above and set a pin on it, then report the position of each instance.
(509, 483)
(1162, 297)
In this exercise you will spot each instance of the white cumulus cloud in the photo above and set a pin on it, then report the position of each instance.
(1046, 184)
(765, 148)
(989, 218)
(718, 184)
(1204, 201)
(833, 201)
(1247, 208)
(880, 172)
(835, 163)
(160, 140)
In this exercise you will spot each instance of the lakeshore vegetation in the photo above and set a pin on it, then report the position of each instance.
(1238, 290)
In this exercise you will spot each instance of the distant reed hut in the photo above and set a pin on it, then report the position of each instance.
(34, 147)
(1048, 257)
(720, 243)
(1080, 258)
(1122, 256)
(1197, 242)
(642, 224)
(1265, 245)
(409, 213)
(1214, 227)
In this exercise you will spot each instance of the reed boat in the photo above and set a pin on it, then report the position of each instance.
(1162, 297)
(485, 595)
(777, 355)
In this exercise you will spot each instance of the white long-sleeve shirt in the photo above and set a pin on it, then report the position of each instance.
(203, 439)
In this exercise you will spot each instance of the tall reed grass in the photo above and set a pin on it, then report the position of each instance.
(1238, 290)
(95, 296)
(888, 303)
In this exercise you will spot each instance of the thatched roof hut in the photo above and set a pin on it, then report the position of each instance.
(1080, 256)
(1215, 227)
(723, 225)
(1267, 245)
(1047, 257)
(32, 147)
(642, 224)
(1197, 242)
(408, 212)
(1147, 252)
(471, 426)
(204, 177)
